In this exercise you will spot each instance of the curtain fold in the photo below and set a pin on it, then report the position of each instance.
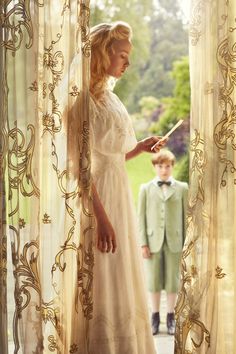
(46, 250)
(205, 309)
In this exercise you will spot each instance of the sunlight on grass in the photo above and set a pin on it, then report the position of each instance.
(140, 170)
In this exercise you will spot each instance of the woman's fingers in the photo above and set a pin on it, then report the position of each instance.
(153, 144)
(106, 244)
(114, 245)
(101, 245)
(160, 142)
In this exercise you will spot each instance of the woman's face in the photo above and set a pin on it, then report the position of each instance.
(119, 58)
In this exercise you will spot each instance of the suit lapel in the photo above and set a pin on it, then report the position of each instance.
(170, 190)
(158, 190)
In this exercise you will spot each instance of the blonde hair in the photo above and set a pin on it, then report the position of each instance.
(163, 156)
(102, 37)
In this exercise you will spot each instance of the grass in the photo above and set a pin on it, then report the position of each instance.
(140, 170)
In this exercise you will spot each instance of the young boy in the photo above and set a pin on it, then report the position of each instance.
(161, 210)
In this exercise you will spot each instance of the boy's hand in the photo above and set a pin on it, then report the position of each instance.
(146, 252)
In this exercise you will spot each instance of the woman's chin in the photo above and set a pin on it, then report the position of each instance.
(117, 75)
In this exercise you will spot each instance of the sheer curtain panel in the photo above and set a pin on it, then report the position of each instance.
(206, 301)
(46, 248)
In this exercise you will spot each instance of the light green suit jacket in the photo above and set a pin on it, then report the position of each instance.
(159, 213)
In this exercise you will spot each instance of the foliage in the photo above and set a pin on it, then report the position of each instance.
(168, 43)
(175, 108)
(178, 106)
(148, 105)
(181, 171)
(181, 100)
(179, 140)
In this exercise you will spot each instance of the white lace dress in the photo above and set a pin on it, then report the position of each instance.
(120, 323)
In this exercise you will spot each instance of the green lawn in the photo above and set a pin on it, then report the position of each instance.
(140, 170)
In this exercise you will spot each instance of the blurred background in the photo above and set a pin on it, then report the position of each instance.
(155, 89)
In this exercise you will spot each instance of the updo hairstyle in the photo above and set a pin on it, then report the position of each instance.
(102, 37)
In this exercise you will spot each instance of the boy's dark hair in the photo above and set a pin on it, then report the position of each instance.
(163, 156)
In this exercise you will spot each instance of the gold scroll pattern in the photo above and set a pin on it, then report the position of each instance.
(219, 273)
(27, 282)
(17, 24)
(224, 132)
(3, 239)
(20, 156)
(16, 20)
(84, 25)
(84, 252)
(3, 270)
(52, 62)
(191, 333)
(196, 22)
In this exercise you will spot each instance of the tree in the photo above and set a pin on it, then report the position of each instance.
(178, 106)
(168, 43)
(175, 108)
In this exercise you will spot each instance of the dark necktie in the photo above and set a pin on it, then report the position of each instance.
(160, 183)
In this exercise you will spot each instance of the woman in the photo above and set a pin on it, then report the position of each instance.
(120, 322)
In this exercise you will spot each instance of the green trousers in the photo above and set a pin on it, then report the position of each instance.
(162, 270)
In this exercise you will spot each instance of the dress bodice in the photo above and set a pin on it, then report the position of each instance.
(110, 127)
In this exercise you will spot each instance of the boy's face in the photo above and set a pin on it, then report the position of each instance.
(164, 170)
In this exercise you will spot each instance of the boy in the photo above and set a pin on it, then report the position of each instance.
(161, 209)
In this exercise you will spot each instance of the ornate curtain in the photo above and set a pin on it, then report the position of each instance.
(46, 258)
(206, 312)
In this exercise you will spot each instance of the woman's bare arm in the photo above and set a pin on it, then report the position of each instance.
(145, 145)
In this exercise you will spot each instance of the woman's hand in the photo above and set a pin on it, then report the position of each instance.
(106, 240)
(146, 252)
(147, 143)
